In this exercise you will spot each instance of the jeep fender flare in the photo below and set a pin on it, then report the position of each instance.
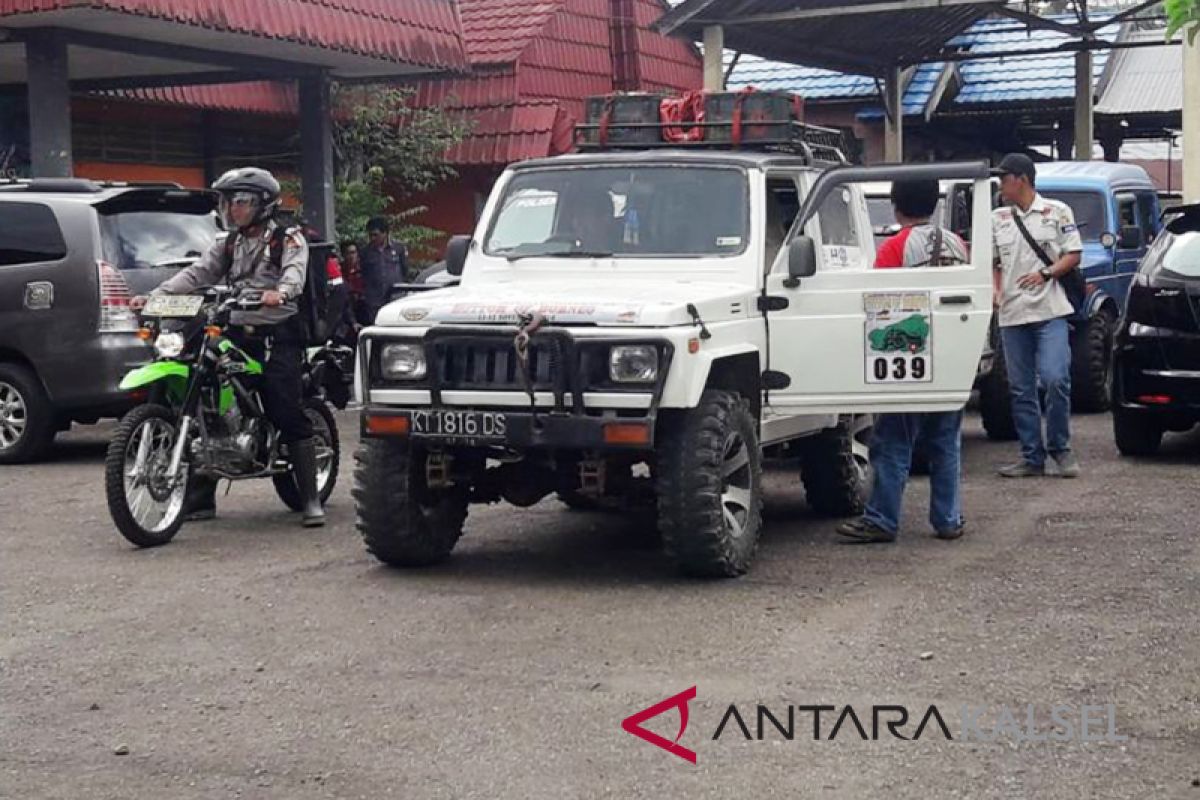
(1099, 300)
(736, 367)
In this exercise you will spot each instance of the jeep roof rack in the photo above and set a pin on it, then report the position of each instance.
(816, 144)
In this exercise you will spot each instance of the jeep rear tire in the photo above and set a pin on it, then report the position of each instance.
(27, 422)
(835, 467)
(709, 487)
(1091, 364)
(995, 399)
(402, 521)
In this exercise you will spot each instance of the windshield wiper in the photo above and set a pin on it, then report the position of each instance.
(562, 254)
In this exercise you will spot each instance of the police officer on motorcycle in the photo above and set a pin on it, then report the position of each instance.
(274, 334)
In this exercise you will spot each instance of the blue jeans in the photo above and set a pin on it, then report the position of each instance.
(1040, 351)
(891, 457)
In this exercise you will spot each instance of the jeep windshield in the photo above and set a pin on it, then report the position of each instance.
(639, 212)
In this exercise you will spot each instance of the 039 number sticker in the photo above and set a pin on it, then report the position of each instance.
(898, 343)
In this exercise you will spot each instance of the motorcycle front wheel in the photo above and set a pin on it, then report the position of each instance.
(328, 458)
(146, 507)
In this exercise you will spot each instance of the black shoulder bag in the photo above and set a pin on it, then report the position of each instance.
(1073, 282)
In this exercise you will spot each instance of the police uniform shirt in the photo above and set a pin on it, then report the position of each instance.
(251, 268)
(1052, 225)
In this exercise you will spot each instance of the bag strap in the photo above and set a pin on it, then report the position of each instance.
(1037, 248)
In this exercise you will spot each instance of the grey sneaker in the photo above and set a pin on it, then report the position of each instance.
(1023, 469)
(1068, 464)
(864, 532)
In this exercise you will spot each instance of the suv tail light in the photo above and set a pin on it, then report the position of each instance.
(115, 314)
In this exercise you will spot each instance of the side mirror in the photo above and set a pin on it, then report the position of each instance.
(456, 254)
(802, 259)
(1130, 238)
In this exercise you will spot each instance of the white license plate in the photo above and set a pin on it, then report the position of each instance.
(173, 305)
(460, 425)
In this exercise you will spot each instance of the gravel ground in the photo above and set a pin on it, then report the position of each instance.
(251, 658)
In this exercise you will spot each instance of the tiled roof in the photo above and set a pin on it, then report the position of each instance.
(498, 31)
(424, 32)
(258, 97)
(504, 134)
(1003, 80)
(1014, 80)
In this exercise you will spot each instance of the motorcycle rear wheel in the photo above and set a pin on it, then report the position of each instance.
(328, 458)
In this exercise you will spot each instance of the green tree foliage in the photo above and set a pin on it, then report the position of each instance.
(384, 144)
(1183, 15)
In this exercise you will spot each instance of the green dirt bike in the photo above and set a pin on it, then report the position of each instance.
(203, 415)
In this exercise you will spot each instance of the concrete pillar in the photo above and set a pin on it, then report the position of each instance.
(714, 52)
(1191, 121)
(1084, 101)
(316, 154)
(49, 105)
(893, 97)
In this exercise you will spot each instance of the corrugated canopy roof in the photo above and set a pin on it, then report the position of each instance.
(1147, 80)
(859, 36)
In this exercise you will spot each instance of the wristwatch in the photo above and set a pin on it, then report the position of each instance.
(1046, 274)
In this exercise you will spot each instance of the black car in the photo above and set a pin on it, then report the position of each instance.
(1156, 363)
(72, 254)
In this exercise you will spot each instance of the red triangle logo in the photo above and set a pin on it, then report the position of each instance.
(633, 724)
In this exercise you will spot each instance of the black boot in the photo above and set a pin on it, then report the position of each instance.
(200, 501)
(304, 467)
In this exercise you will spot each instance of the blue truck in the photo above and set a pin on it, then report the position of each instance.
(1117, 208)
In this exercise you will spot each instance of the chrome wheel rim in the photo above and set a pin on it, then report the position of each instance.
(861, 426)
(14, 416)
(324, 449)
(152, 502)
(737, 485)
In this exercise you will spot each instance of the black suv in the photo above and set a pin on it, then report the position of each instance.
(72, 254)
(1156, 361)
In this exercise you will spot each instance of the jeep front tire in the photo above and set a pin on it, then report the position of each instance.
(402, 521)
(709, 486)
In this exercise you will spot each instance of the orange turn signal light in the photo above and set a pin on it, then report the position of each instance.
(693, 346)
(387, 426)
(145, 334)
(212, 331)
(627, 433)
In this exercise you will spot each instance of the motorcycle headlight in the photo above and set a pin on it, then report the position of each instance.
(633, 364)
(169, 345)
(402, 362)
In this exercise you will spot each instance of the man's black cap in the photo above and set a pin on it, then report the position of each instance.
(1017, 164)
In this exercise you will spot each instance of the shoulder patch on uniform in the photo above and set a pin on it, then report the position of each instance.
(1069, 228)
(294, 239)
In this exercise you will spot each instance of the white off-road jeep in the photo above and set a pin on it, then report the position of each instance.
(658, 318)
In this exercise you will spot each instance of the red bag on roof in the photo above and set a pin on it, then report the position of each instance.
(689, 108)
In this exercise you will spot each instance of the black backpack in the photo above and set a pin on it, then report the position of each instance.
(313, 303)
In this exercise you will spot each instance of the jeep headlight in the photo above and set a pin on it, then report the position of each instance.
(402, 362)
(633, 364)
(169, 345)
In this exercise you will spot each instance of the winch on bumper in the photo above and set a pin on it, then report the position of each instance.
(473, 387)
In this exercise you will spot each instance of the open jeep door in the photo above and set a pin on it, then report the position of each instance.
(845, 337)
